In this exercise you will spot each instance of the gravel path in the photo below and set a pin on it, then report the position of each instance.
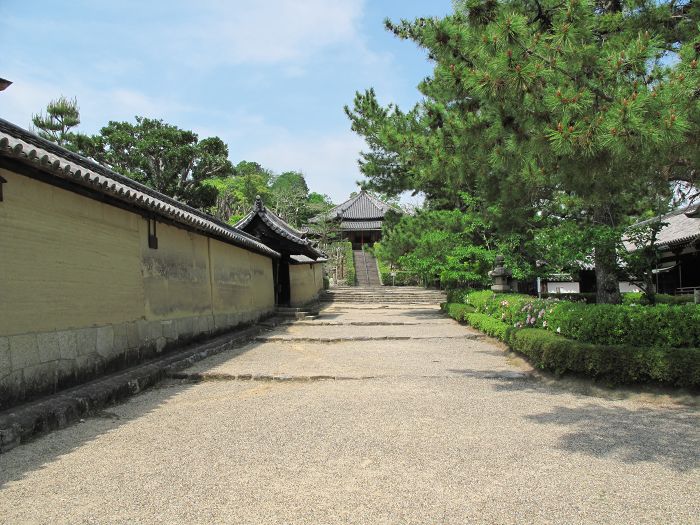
(432, 429)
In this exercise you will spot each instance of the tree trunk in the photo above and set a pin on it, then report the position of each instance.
(607, 282)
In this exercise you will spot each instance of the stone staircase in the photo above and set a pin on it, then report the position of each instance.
(366, 271)
(383, 295)
(305, 313)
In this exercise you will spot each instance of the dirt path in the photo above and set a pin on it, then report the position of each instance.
(376, 415)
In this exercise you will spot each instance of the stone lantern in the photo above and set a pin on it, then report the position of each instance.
(501, 276)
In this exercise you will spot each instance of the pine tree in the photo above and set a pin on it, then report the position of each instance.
(61, 115)
(546, 109)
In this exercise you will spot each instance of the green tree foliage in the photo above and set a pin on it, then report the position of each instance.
(290, 194)
(236, 193)
(551, 112)
(166, 158)
(61, 116)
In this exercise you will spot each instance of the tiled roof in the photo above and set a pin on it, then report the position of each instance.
(361, 206)
(682, 226)
(279, 226)
(21, 145)
(303, 259)
(361, 225)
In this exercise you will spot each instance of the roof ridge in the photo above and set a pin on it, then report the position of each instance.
(61, 163)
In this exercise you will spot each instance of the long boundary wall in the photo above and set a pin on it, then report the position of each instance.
(82, 294)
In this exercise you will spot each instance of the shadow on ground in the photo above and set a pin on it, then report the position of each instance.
(102, 420)
(667, 434)
(644, 435)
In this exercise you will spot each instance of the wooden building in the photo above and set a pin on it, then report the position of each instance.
(298, 273)
(679, 246)
(360, 219)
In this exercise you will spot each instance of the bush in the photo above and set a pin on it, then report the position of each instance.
(612, 363)
(490, 326)
(661, 325)
(631, 298)
(349, 263)
(589, 298)
(457, 311)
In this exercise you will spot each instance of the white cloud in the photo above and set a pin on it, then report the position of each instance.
(27, 96)
(267, 32)
(328, 162)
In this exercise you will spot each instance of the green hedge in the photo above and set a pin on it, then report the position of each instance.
(609, 324)
(457, 310)
(660, 325)
(611, 363)
(349, 263)
(634, 298)
(585, 297)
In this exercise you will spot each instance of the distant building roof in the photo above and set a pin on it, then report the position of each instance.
(73, 171)
(682, 227)
(361, 225)
(276, 233)
(362, 206)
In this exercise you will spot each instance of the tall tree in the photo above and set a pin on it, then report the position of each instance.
(236, 193)
(166, 158)
(538, 103)
(290, 193)
(61, 116)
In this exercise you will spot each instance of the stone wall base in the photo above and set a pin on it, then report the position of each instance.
(32, 365)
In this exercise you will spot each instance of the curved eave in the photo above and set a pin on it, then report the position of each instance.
(29, 149)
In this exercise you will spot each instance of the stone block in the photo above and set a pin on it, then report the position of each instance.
(11, 388)
(5, 363)
(24, 351)
(155, 330)
(184, 327)
(202, 325)
(143, 331)
(132, 335)
(67, 344)
(49, 350)
(86, 341)
(65, 370)
(40, 378)
(88, 365)
(105, 341)
(121, 341)
(220, 321)
(169, 329)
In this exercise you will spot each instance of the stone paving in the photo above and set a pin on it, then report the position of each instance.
(335, 421)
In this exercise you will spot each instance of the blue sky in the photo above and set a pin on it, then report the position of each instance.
(270, 77)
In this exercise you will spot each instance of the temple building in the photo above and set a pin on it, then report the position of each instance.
(360, 219)
(298, 274)
(678, 243)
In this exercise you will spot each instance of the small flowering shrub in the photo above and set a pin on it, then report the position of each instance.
(614, 364)
(610, 324)
(664, 325)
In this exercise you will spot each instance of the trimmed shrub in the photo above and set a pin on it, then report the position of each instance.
(457, 311)
(349, 263)
(635, 298)
(661, 325)
(608, 324)
(490, 326)
(585, 297)
(611, 363)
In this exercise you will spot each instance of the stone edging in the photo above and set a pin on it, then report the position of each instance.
(24, 422)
